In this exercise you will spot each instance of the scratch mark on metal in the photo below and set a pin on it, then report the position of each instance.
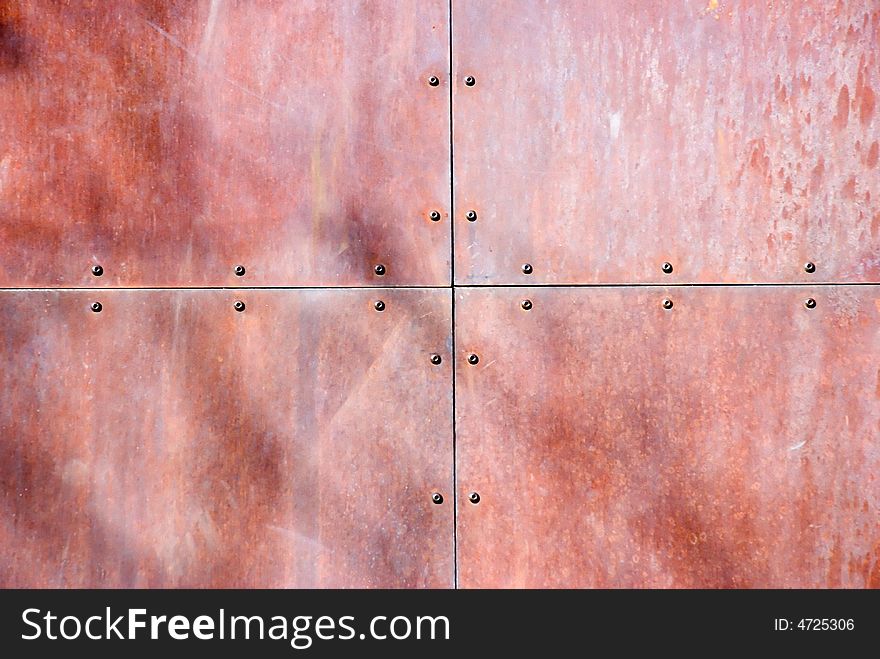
(174, 41)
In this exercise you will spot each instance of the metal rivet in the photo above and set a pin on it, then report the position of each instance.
(239, 271)
(526, 304)
(667, 267)
(474, 498)
(436, 359)
(469, 81)
(239, 305)
(810, 303)
(437, 498)
(471, 216)
(527, 268)
(433, 81)
(379, 269)
(97, 270)
(810, 266)
(435, 216)
(379, 305)
(667, 303)
(473, 359)
(96, 307)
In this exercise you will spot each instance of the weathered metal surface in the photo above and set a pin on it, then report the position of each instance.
(170, 440)
(735, 140)
(729, 441)
(171, 141)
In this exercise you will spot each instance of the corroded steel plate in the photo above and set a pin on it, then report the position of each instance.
(169, 142)
(731, 441)
(170, 440)
(735, 140)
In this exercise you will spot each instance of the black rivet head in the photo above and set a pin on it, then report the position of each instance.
(378, 305)
(474, 498)
(473, 359)
(239, 305)
(437, 498)
(471, 216)
(667, 303)
(810, 303)
(239, 271)
(435, 216)
(470, 81)
(96, 307)
(379, 269)
(667, 267)
(527, 268)
(526, 304)
(97, 270)
(436, 359)
(433, 81)
(810, 267)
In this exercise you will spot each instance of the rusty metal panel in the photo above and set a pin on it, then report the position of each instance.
(170, 440)
(171, 141)
(736, 141)
(731, 440)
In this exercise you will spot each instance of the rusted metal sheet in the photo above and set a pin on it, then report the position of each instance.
(170, 440)
(171, 141)
(736, 141)
(728, 441)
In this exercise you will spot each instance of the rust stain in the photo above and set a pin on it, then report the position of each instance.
(842, 117)
(866, 107)
(864, 96)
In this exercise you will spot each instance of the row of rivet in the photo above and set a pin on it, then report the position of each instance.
(380, 269)
(667, 268)
(379, 305)
(473, 497)
(98, 270)
(809, 303)
(239, 270)
(470, 81)
(472, 359)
